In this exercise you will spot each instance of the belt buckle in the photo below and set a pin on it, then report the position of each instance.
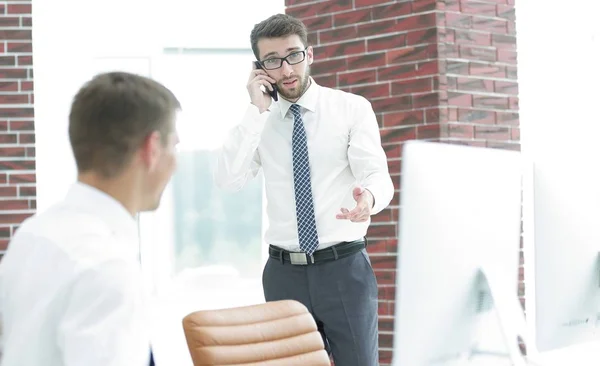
(298, 259)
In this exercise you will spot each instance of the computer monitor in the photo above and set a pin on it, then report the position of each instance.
(460, 225)
(566, 233)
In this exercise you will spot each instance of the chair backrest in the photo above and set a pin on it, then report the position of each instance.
(274, 333)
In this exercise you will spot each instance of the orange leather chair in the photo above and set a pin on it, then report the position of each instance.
(275, 333)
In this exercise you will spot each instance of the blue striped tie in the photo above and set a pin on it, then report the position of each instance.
(305, 212)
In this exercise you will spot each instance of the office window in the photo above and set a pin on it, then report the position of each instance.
(203, 248)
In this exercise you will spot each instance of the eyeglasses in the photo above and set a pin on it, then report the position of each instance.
(292, 59)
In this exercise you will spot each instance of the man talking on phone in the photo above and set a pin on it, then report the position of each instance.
(325, 175)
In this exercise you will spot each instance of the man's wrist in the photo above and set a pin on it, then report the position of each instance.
(371, 199)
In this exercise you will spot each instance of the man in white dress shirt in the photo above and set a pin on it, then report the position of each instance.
(70, 289)
(325, 174)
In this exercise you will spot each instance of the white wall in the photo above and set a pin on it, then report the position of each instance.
(559, 74)
(69, 36)
(72, 39)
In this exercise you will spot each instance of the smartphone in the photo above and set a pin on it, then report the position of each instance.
(272, 93)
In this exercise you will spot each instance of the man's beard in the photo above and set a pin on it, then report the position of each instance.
(298, 91)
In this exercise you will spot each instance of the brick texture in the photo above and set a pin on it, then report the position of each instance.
(440, 70)
(17, 137)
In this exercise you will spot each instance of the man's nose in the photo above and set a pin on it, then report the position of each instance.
(286, 69)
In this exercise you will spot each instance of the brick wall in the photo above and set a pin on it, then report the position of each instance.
(433, 70)
(17, 150)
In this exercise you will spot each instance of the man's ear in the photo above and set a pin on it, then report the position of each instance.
(150, 150)
(309, 55)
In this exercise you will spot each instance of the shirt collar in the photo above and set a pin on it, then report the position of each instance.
(104, 206)
(308, 100)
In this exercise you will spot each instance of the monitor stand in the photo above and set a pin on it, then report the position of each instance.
(501, 323)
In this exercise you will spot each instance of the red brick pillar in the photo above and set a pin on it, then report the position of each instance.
(17, 151)
(433, 70)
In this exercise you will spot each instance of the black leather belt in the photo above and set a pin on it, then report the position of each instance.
(331, 253)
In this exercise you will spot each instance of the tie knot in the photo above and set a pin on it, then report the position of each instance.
(295, 108)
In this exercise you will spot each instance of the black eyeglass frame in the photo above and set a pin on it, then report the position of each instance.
(281, 59)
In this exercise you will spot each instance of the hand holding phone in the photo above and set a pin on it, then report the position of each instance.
(272, 92)
(261, 88)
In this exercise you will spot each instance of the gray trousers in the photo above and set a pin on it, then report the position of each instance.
(342, 297)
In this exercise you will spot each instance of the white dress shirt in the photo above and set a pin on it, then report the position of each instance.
(344, 148)
(70, 287)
